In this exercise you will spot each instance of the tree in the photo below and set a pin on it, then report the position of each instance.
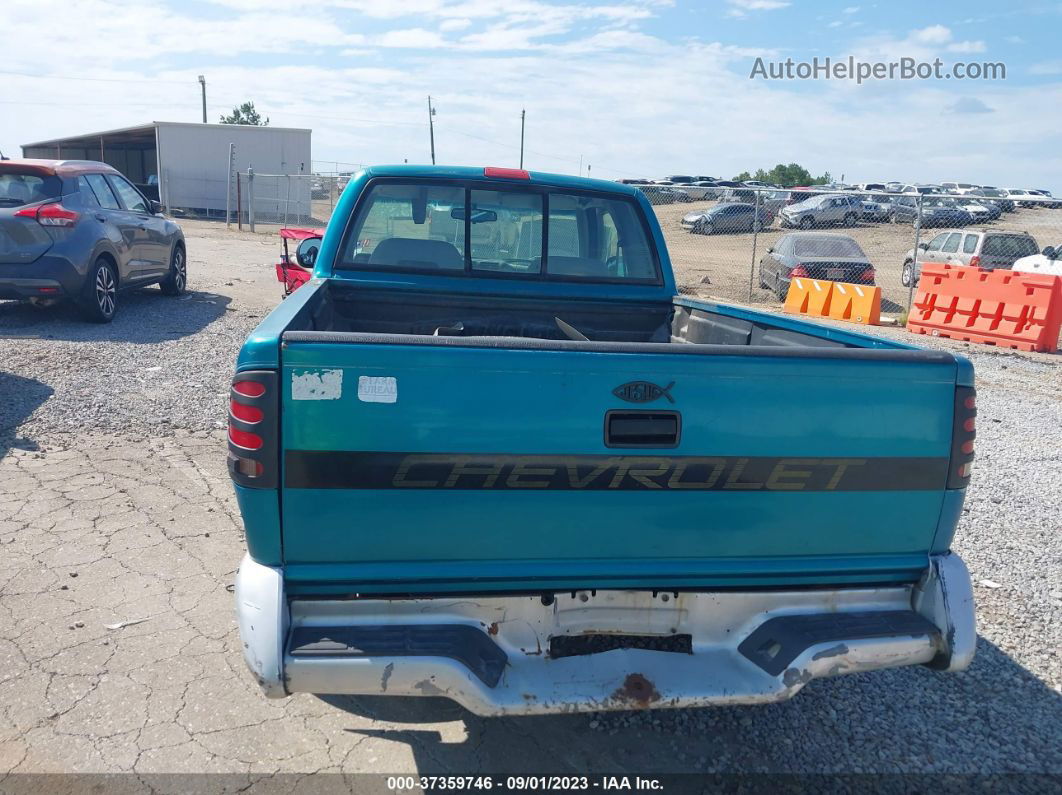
(245, 114)
(787, 176)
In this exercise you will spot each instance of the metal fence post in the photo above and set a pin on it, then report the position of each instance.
(287, 199)
(914, 255)
(239, 203)
(755, 237)
(250, 197)
(229, 173)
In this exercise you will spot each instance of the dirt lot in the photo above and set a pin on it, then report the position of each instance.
(119, 539)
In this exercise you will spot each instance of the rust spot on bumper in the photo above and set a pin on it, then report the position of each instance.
(637, 690)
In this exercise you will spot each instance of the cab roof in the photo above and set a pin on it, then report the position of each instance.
(537, 178)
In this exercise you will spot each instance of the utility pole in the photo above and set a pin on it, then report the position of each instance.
(202, 83)
(431, 129)
(523, 113)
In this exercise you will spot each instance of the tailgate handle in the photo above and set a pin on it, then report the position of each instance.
(642, 428)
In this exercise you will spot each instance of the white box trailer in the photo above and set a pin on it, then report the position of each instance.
(185, 165)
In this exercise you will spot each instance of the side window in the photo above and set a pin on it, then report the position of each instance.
(129, 195)
(102, 191)
(86, 192)
(969, 244)
(937, 242)
(951, 245)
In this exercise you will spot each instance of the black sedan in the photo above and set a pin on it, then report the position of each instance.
(813, 255)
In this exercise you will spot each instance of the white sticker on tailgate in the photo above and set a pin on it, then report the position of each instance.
(377, 389)
(317, 385)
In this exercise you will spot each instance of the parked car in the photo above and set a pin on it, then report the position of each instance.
(936, 211)
(623, 518)
(79, 230)
(981, 211)
(822, 211)
(773, 200)
(813, 255)
(960, 188)
(727, 217)
(1027, 198)
(663, 194)
(996, 196)
(1050, 201)
(990, 249)
(875, 208)
(1048, 261)
(681, 179)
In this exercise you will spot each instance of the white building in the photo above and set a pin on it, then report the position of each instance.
(185, 165)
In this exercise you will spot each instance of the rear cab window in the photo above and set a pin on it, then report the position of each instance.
(18, 188)
(480, 229)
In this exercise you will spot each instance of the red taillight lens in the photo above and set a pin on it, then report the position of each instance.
(963, 433)
(799, 270)
(975, 262)
(867, 276)
(251, 389)
(506, 173)
(245, 439)
(240, 411)
(53, 214)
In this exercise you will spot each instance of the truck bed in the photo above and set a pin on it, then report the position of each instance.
(774, 452)
(338, 308)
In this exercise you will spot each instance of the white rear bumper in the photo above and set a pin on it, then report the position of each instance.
(492, 654)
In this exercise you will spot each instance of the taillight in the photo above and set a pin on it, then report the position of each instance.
(964, 429)
(253, 456)
(975, 262)
(867, 276)
(53, 214)
(799, 270)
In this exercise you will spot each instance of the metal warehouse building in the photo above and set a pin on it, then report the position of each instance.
(186, 165)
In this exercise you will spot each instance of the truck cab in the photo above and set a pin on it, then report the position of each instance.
(489, 453)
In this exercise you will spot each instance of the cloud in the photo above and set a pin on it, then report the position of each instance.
(966, 46)
(835, 24)
(850, 10)
(414, 38)
(741, 8)
(457, 23)
(1046, 68)
(969, 105)
(934, 34)
(1014, 40)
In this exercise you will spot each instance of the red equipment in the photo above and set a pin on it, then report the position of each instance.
(293, 274)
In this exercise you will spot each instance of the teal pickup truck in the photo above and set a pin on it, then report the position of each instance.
(489, 453)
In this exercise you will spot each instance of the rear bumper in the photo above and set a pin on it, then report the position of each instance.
(50, 276)
(492, 654)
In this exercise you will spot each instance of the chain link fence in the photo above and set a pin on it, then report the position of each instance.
(745, 244)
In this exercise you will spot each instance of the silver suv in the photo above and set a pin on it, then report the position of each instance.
(990, 249)
(822, 211)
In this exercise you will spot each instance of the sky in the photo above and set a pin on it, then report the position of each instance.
(622, 88)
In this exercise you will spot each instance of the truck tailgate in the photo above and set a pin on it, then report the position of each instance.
(415, 469)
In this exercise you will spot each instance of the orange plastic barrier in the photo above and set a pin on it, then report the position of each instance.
(808, 297)
(995, 307)
(857, 303)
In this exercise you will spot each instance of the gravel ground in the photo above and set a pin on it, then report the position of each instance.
(111, 469)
